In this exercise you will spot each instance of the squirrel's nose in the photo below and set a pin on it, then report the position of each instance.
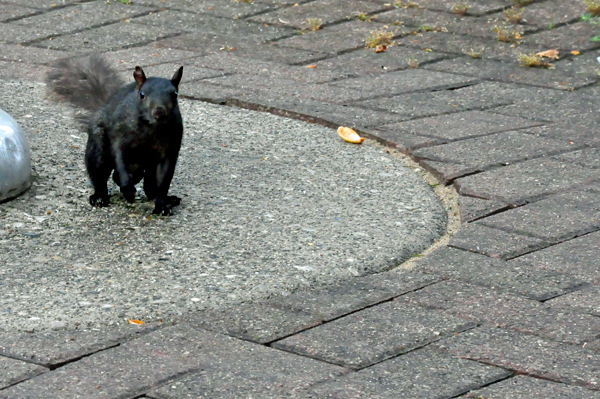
(159, 112)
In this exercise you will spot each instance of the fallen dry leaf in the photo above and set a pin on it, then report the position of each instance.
(349, 135)
(552, 54)
(136, 322)
(380, 49)
(575, 52)
(310, 66)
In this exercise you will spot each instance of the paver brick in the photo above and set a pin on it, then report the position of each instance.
(570, 37)
(106, 38)
(15, 11)
(482, 305)
(217, 8)
(340, 37)
(399, 82)
(578, 257)
(339, 299)
(327, 10)
(477, 6)
(462, 125)
(83, 16)
(374, 334)
(526, 354)
(56, 347)
(257, 322)
(492, 242)
(526, 182)
(459, 45)
(332, 115)
(563, 76)
(553, 219)
(521, 387)
(584, 300)
(13, 371)
(472, 208)
(16, 34)
(366, 61)
(421, 373)
(494, 150)
(420, 105)
(137, 366)
(456, 264)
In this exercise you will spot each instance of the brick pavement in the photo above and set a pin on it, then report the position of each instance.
(509, 309)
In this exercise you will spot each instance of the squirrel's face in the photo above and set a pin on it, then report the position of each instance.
(157, 98)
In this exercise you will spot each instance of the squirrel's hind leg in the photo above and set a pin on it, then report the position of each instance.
(99, 167)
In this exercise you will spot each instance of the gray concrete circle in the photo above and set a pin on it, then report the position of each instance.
(269, 205)
(15, 166)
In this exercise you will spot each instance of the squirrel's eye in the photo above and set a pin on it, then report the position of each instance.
(142, 94)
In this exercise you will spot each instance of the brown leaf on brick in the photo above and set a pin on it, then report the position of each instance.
(380, 49)
(552, 54)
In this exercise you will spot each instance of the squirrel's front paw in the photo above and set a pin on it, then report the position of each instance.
(129, 193)
(99, 201)
(162, 207)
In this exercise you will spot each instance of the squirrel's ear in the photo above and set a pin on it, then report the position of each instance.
(177, 77)
(140, 76)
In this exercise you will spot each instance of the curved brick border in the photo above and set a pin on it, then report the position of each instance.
(520, 146)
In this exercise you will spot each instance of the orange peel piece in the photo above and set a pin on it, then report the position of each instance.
(136, 322)
(349, 135)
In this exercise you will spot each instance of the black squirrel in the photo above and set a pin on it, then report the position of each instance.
(134, 129)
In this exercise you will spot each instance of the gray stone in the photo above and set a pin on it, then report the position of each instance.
(571, 109)
(462, 125)
(482, 305)
(366, 61)
(574, 134)
(107, 38)
(349, 296)
(578, 257)
(459, 45)
(566, 38)
(215, 8)
(492, 151)
(553, 219)
(330, 115)
(372, 335)
(257, 322)
(511, 71)
(498, 275)
(492, 242)
(421, 105)
(327, 11)
(526, 182)
(150, 56)
(472, 208)
(339, 37)
(137, 366)
(14, 33)
(410, 80)
(527, 354)
(445, 173)
(230, 63)
(30, 54)
(14, 371)
(201, 90)
(283, 88)
(83, 16)
(15, 11)
(421, 373)
(56, 347)
(584, 300)
(522, 387)
(477, 6)
(588, 157)
(392, 136)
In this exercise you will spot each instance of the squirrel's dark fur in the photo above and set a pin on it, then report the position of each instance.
(134, 129)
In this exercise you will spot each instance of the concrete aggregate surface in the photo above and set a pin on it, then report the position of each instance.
(269, 205)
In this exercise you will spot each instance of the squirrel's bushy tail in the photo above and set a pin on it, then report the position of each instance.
(86, 83)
